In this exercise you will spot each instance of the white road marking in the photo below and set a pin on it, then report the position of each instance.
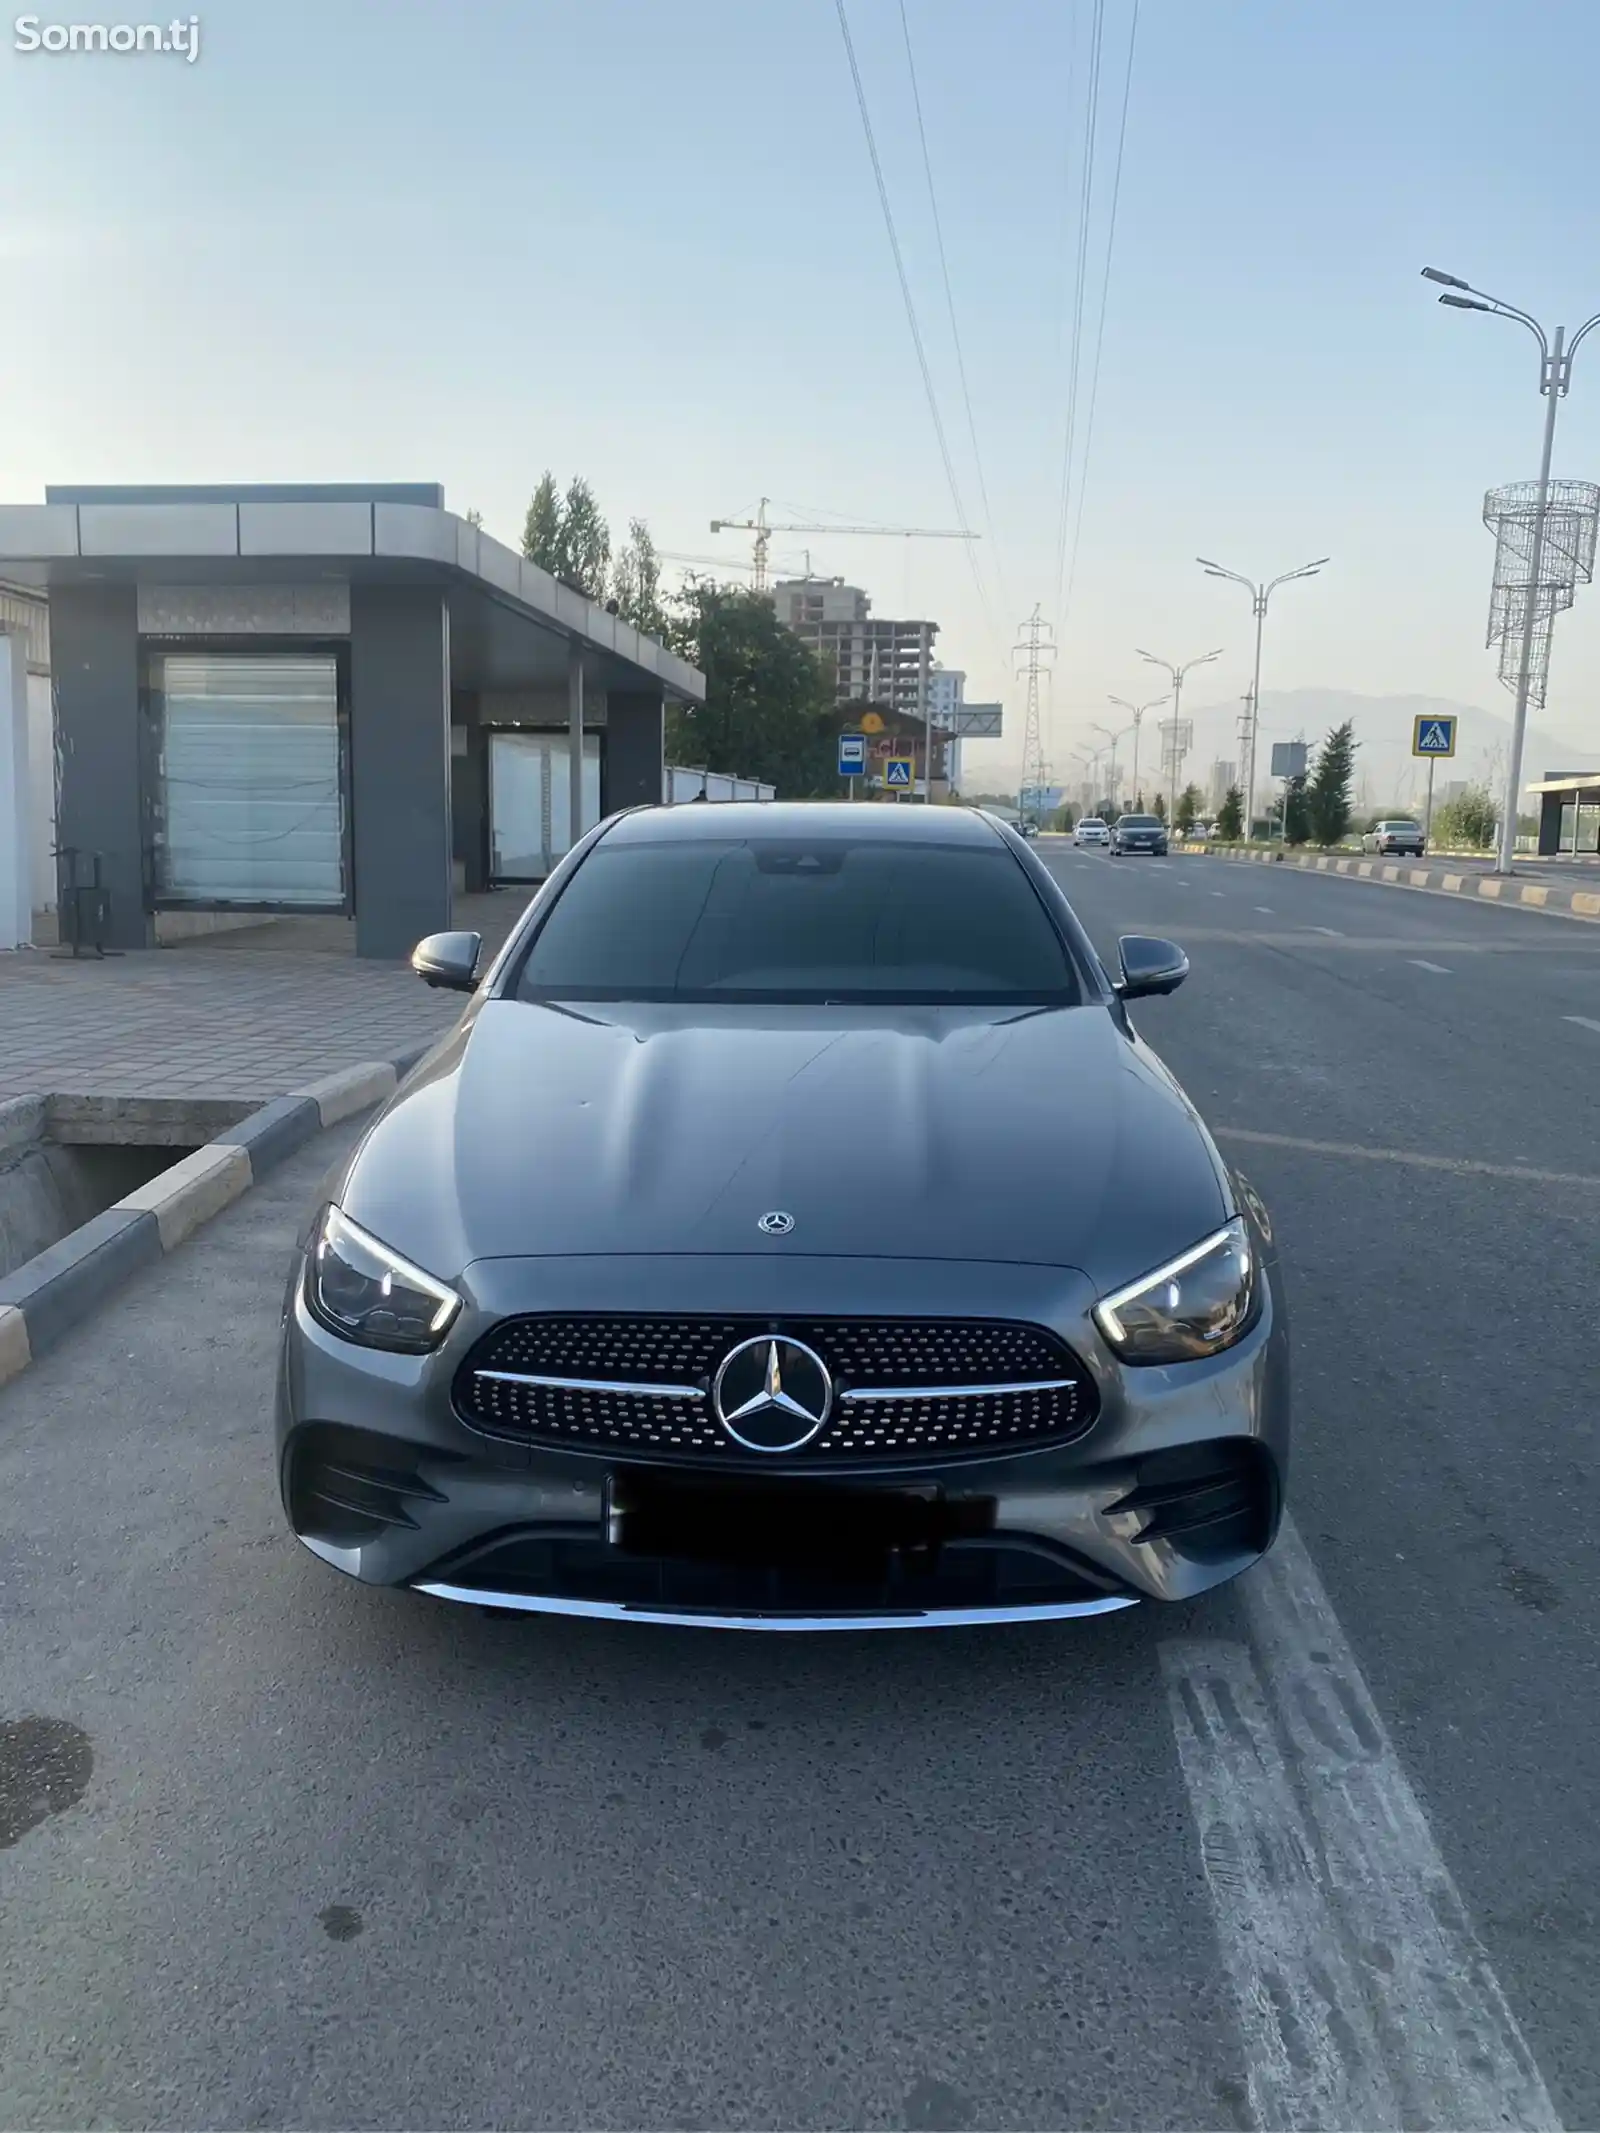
(1583, 1022)
(1216, 892)
(1265, 910)
(1457, 1165)
(1332, 932)
(1438, 969)
(1310, 2050)
(1450, 2043)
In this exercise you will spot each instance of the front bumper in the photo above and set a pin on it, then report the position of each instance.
(1176, 1486)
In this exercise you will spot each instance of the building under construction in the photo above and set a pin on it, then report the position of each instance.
(874, 660)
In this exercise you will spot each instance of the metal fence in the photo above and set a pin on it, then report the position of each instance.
(680, 784)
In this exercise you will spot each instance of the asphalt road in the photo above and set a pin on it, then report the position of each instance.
(275, 1851)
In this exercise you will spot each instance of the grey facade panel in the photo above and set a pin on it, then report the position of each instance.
(158, 529)
(305, 529)
(412, 531)
(95, 649)
(38, 531)
(399, 766)
(429, 494)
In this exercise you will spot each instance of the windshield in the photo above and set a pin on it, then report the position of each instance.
(1139, 822)
(863, 919)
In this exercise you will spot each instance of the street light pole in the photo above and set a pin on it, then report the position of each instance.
(1136, 712)
(1260, 596)
(1113, 738)
(1177, 673)
(1555, 381)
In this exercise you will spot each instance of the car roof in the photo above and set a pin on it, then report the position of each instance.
(777, 819)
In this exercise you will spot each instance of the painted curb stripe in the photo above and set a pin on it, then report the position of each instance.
(1529, 896)
(55, 1291)
(189, 1193)
(273, 1132)
(15, 1354)
(62, 1285)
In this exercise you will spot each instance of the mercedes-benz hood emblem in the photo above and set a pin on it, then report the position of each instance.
(777, 1224)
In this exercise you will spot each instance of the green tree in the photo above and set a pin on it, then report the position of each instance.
(475, 517)
(1328, 793)
(769, 711)
(1188, 809)
(544, 529)
(1468, 821)
(1296, 810)
(588, 539)
(636, 582)
(1160, 808)
(1139, 807)
(1230, 816)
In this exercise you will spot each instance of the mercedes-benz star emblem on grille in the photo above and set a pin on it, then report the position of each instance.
(771, 1394)
(777, 1224)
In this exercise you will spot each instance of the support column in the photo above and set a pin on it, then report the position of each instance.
(575, 681)
(16, 796)
(399, 766)
(469, 794)
(94, 656)
(635, 751)
(1549, 823)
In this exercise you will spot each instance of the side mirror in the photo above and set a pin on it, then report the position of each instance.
(448, 961)
(1149, 966)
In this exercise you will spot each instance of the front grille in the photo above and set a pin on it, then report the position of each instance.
(903, 1388)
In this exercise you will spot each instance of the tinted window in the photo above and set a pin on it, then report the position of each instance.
(1139, 822)
(870, 919)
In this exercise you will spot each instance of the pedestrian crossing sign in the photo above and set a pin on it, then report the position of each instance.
(1433, 736)
(897, 770)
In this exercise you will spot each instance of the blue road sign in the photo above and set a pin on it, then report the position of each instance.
(852, 754)
(1433, 736)
(897, 770)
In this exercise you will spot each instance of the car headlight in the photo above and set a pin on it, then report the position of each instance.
(364, 1292)
(1194, 1306)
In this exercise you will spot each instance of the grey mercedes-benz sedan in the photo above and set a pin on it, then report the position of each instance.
(794, 1233)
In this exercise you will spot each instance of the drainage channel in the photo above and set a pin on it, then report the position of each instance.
(66, 1159)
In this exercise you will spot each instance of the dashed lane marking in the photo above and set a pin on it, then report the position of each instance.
(1422, 963)
(1332, 932)
(1583, 1022)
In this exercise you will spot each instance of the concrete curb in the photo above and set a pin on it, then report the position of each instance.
(1442, 881)
(52, 1293)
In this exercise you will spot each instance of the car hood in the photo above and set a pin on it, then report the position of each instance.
(927, 1133)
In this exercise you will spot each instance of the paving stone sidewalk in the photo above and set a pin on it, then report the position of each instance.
(236, 1017)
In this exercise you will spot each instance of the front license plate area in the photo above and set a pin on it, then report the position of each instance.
(775, 1524)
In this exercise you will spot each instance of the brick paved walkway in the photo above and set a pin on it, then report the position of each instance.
(236, 1016)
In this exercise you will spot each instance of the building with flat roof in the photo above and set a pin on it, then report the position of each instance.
(333, 698)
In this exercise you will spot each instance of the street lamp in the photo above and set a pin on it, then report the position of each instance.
(1111, 768)
(1136, 712)
(1555, 380)
(1177, 673)
(1259, 596)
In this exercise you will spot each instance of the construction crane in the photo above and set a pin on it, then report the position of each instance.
(763, 529)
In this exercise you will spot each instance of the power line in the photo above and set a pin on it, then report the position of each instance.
(910, 306)
(950, 301)
(1100, 330)
(1080, 290)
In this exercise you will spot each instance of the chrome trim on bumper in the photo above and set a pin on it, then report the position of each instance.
(930, 1618)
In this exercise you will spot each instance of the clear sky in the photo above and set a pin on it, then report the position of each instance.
(463, 241)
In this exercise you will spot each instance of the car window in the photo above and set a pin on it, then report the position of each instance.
(714, 918)
(1138, 822)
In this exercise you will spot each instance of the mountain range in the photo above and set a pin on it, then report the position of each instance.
(1387, 774)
